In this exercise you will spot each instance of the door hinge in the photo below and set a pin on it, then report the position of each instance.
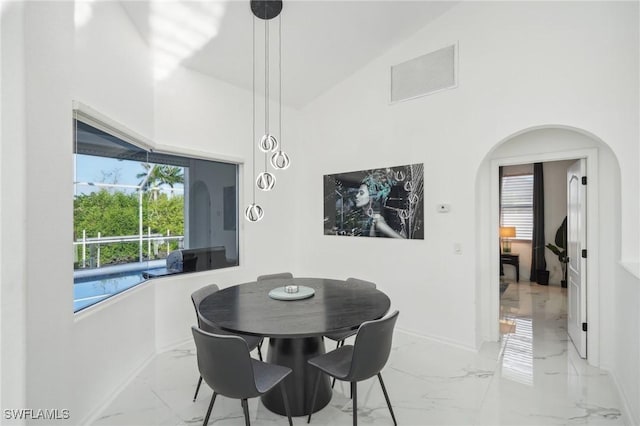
(584, 326)
(584, 253)
(584, 180)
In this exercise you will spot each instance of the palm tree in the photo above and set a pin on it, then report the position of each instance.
(156, 175)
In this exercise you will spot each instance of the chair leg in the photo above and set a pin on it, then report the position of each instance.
(354, 397)
(197, 389)
(206, 418)
(245, 408)
(386, 396)
(285, 398)
(259, 351)
(315, 395)
(338, 344)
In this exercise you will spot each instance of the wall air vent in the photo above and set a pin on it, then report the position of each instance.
(425, 74)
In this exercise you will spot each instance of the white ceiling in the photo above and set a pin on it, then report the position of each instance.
(323, 42)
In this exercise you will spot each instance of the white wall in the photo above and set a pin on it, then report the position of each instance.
(626, 365)
(523, 70)
(113, 74)
(48, 32)
(13, 267)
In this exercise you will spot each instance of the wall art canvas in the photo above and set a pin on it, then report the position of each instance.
(386, 202)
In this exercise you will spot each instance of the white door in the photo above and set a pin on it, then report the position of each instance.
(576, 243)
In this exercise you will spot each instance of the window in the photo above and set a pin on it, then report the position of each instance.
(140, 214)
(516, 207)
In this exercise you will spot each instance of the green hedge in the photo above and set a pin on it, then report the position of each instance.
(116, 214)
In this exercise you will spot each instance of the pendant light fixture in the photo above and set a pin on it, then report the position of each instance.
(269, 144)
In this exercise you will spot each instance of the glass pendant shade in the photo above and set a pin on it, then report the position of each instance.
(280, 160)
(268, 143)
(253, 213)
(265, 181)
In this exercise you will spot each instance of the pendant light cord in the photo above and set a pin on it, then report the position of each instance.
(253, 148)
(266, 83)
(280, 78)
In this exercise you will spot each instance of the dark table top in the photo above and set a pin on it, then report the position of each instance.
(335, 306)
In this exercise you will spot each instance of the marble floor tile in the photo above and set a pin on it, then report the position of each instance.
(533, 376)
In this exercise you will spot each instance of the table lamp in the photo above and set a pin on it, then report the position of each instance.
(507, 232)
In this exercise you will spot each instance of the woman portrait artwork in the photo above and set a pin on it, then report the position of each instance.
(375, 203)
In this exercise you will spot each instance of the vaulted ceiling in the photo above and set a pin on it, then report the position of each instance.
(323, 42)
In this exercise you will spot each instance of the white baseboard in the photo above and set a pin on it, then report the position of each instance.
(171, 346)
(630, 417)
(438, 339)
(98, 410)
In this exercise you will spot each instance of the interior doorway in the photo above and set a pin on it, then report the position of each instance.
(533, 146)
(534, 204)
(518, 216)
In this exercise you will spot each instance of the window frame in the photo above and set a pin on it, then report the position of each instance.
(528, 207)
(91, 117)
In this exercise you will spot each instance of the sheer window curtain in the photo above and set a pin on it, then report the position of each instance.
(538, 263)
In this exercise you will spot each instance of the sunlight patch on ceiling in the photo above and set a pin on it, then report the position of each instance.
(82, 12)
(179, 29)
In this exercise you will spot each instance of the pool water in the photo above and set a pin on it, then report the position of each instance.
(91, 290)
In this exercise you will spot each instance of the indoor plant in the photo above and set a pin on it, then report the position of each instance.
(560, 249)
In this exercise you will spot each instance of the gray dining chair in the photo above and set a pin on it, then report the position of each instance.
(281, 275)
(341, 336)
(197, 297)
(358, 362)
(226, 366)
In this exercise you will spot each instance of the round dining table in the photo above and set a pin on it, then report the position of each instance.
(294, 327)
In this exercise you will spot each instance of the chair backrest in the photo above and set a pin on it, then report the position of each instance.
(225, 364)
(362, 282)
(372, 347)
(281, 275)
(174, 261)
(198, 296)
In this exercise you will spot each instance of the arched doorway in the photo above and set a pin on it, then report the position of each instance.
(543, 144)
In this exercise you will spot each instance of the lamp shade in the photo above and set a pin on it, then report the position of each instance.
(507, 231)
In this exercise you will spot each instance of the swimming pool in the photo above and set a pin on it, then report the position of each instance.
(91, 287)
